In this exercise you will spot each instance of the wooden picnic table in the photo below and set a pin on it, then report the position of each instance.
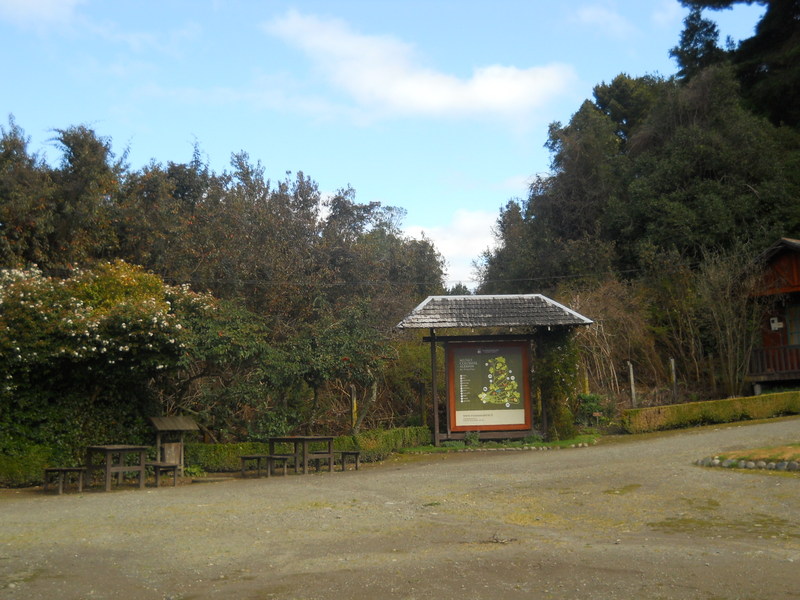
(303, 450)
(115, 461)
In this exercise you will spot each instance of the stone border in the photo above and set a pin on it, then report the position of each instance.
(506, 449)
(518, 448)
(729, 463)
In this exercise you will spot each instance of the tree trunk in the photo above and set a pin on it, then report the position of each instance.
(366, 405)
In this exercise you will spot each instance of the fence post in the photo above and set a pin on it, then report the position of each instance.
(673, 380)
(633, 385)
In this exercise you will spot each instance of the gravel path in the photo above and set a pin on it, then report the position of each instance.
(628, 518)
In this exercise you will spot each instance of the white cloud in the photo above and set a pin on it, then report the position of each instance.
(605, 20)
(38, 13)
(668, 13)
(461, 242)
(517, 184)
(385, 76)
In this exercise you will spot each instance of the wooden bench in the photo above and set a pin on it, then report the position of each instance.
(160, 467)
(62, 473)
(345, 454)
(316, 459)
(270, 461)
(342, 456)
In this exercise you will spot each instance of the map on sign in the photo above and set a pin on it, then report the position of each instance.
(502, 387)
(488, 384)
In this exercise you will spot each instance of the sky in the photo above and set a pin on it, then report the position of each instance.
(438, 107)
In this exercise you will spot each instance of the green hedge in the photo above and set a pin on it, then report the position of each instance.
(675, 416)
(374, 446)
(27, 468)
(24, 469)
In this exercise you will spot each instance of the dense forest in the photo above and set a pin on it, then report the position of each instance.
(662, 193)
(261, 307)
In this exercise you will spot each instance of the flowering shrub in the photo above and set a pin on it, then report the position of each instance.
(80, 358)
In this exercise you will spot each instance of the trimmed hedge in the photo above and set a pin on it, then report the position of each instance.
(26, 469)
(374, 446)
(675, 416)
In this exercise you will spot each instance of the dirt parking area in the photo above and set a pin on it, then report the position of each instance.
(629, 518)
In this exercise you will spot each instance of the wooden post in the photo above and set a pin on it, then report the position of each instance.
(436, 434)
(673, 380)
(585, 378)
(183, 455)
(423, 412)
(633, 385)
(542, 409)
(353, 407)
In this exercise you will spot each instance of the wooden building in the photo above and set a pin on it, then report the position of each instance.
(777, 360)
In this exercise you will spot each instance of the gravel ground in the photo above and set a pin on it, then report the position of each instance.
(627, 518)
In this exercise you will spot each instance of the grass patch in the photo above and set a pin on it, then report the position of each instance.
(775, 454)
(758, 526)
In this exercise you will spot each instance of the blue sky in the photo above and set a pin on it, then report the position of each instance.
(440, 107)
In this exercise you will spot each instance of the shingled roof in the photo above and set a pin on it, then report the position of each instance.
(779, 246)
(517, 310)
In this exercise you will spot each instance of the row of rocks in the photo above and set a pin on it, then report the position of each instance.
(729, 463)
(514, 449)
(501, 449)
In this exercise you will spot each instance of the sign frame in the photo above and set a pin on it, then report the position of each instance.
(461, 363)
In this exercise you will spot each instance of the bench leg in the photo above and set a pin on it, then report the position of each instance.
(356, 460)
(258, 466)
(62, 478)
(271, 464)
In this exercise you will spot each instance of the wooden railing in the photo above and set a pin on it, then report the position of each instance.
(781, 360)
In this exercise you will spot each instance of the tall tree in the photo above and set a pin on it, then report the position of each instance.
(768, 63)
(627, 102)
(705, 173)
(86, 184)
(698, 48)
(26, 211)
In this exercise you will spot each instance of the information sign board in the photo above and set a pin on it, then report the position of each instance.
(488, 386)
